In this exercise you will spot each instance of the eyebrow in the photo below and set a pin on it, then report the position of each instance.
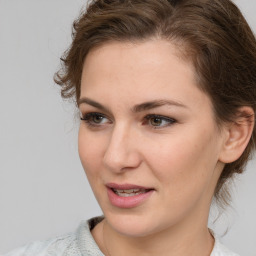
(137, 108)
(156, 103)
(92, 103)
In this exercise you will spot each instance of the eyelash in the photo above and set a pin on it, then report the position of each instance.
(169, 121)
(88, 119)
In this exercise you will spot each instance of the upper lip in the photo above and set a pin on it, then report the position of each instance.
(126, 186)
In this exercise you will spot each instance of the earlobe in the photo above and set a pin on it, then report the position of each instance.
(238, 134)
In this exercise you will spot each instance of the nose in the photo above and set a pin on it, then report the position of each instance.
(122, 151)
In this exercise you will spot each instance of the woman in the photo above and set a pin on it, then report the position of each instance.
(166, 92)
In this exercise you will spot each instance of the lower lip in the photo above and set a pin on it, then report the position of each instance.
(127, 202)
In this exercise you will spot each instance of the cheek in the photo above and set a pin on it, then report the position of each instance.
(184, 163)
(184, 171)
(90, 151)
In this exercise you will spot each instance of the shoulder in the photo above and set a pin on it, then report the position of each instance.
(55, 246)
(78, 243)
(220, 250)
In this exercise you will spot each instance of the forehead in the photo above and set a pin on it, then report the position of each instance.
(152, 48)
(153, 58)
(140, 71)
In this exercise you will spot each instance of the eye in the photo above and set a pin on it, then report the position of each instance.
(95, 119)
(158, 121)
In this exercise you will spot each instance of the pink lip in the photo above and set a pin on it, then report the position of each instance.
(125, 186)
(127, 202)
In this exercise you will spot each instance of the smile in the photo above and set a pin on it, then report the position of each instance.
(129, 192)
(127, 195)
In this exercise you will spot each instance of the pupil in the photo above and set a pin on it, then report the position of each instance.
(156, 121)
(97, 119)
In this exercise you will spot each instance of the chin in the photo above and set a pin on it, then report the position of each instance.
(134, 225)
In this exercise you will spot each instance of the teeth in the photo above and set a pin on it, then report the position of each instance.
(129, 192)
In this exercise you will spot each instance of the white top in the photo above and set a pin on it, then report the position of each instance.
(81, 243)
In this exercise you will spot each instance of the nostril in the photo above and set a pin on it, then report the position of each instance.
(121, 153)
(121, 160)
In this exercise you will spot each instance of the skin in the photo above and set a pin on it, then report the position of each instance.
(180, 160)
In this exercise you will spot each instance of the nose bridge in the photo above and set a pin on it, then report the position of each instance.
(121, 152)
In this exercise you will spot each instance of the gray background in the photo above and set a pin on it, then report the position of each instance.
(43, 189)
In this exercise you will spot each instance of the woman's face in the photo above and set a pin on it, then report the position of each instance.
(148, 143)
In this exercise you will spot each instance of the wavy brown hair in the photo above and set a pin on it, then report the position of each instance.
(213, 34)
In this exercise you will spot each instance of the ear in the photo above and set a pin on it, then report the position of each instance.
(237, 135)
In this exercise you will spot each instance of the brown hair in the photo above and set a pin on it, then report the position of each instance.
(213, 34)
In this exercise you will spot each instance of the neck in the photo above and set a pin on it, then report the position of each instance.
(181, 240)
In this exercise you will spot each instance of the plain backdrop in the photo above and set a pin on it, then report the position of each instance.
(43, 188)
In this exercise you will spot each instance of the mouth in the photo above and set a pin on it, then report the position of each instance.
(128, 195)
(129, 192)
